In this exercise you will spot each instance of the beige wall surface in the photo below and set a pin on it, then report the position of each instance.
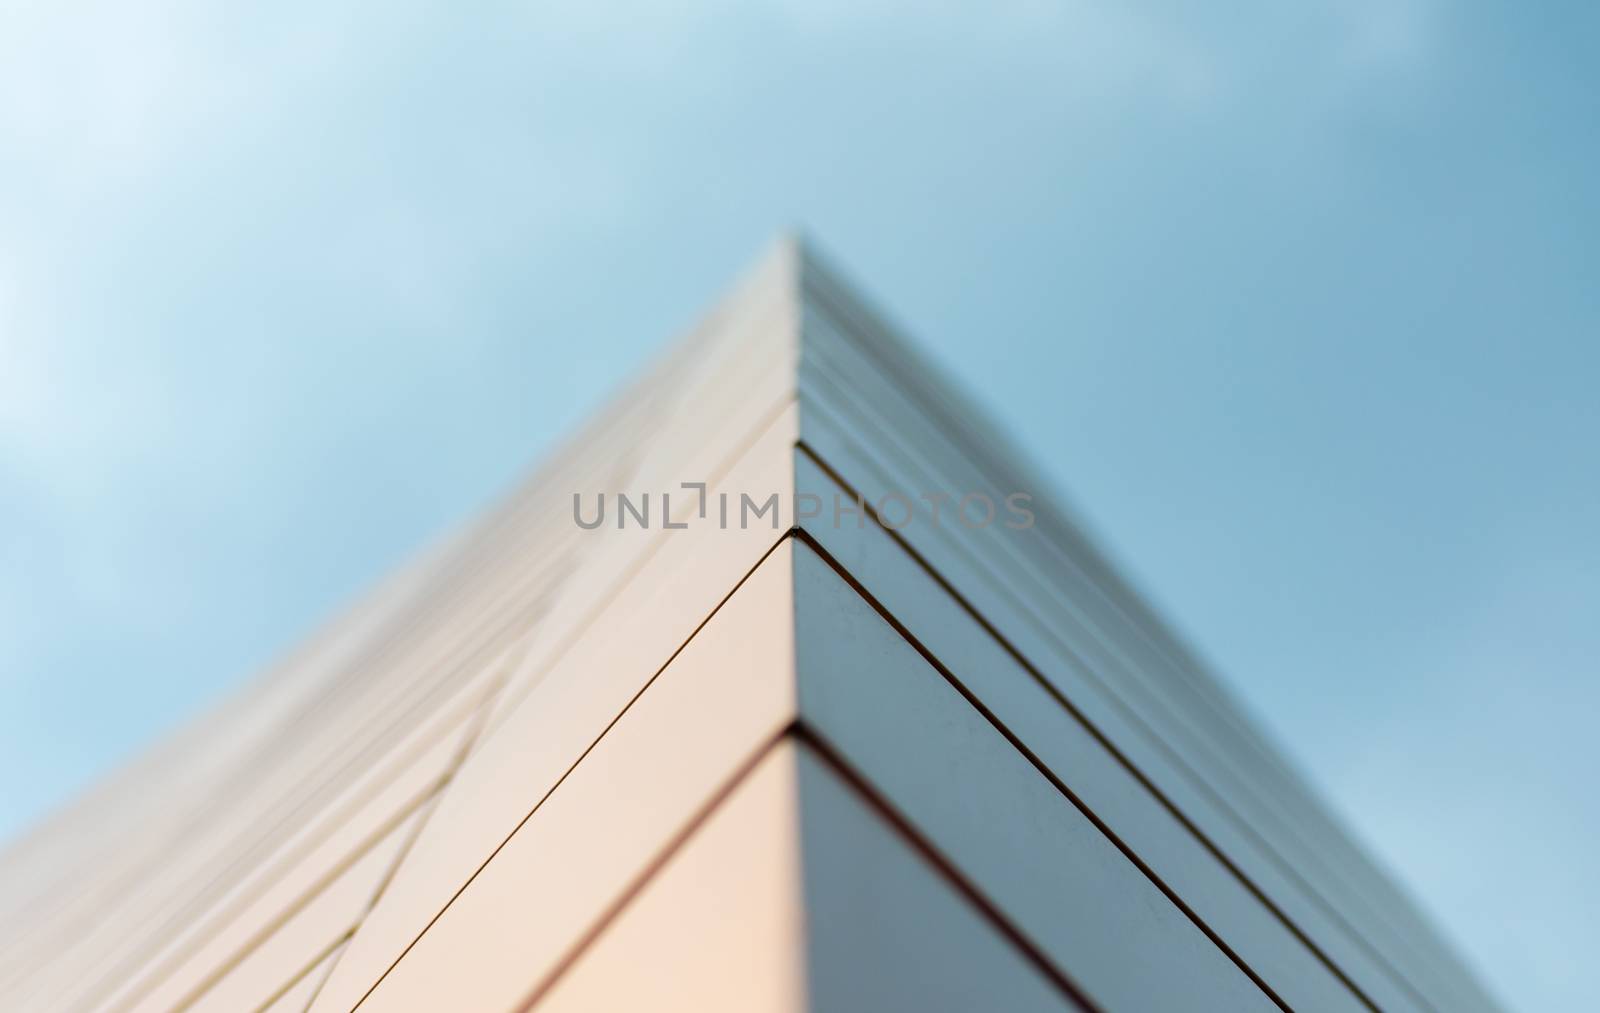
(864, 762)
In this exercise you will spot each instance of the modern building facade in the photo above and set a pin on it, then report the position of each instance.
(783, 686)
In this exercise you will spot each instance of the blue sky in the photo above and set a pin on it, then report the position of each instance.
(1297, 302)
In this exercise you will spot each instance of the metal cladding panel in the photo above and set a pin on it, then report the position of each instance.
(796, 893)
(720, 925)
(888, 928)
(304, 935)
(669, 754)
(818, 761)
(881, 418)
(566, 710)
(1086, 766)
(977, 801)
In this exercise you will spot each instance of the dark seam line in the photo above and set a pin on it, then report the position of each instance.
(1129, 605)
(830, 756)
(417, 621)
(391, 726)
(1150, 786)
(363, 668)
(476, 723)
(1126, 604)
(637, 564)
(574, 765)
(1283, 806)
(394, 769)
(300, 975)
(385, 744)
(855, 322)
(455, 571)
(413, 805)
(316, 993)
(1359, 940)
(1044, 769)
(1090, 618)
(1312, 894)
(642, 879)
(1132, 769)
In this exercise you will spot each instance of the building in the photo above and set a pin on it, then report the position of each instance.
(783, 686)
